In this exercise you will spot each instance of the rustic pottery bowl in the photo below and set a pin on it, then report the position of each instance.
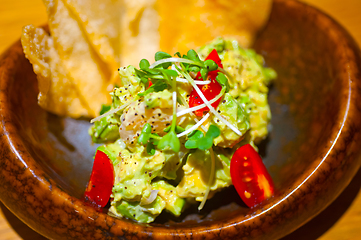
(312, 153)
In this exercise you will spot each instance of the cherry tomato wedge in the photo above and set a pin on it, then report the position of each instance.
(250, 177)
(210, 90)
(101, 181)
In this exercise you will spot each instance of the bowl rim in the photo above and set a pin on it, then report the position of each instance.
(16, 153)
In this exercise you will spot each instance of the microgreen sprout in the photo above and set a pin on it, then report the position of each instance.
(105, 108)
(198, 140)
(148, 138)
(156, 87)
(223, 81)
(115, 110)
(170, 140)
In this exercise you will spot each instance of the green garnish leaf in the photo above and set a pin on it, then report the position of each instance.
(154, 138)
(139, 73)
(195, 135)
(178, 54)
(144, 80)
(156, 87)
(204, 73)
(145, 134)
(171, 72)
(150, 149)
(191, 144)
(213, 131)
(144, 64)
(210, 65)
(192, 55)
(178, 129)
(162, 55)
(194, 69)
(105, 108)
(170, 140)
(203, 142)
(223, 81)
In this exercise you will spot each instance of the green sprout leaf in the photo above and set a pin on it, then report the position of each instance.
(203, 142)
(156, 87)
(105, 108)
(192, 55)
(194, 69)
(169, 141)
(204, 73)
(223, 81)
(150, 148)
(210, 65)
(145, 134)
(178, 129)
(213, 132)
(162, 55)
(170, 72)
(144, 64)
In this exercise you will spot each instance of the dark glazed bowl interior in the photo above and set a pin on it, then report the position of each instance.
(312, 152)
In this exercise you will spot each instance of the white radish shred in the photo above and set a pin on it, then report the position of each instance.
(210, 180)
(111, 112)
(234, 129)
(153, 195)
(183, 80)
(195, 108)
(172, 60)
(194, 127)
(191, 113)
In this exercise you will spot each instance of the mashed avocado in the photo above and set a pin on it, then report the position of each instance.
(164, 155)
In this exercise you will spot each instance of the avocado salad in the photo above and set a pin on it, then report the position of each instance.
(174, 125)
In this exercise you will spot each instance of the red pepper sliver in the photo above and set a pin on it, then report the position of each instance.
(210, 90)
(101, 181)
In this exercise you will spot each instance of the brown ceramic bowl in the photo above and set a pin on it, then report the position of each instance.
(313, 151)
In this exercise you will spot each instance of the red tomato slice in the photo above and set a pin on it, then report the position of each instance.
(210, 90)
(101, 182)
(250, 176)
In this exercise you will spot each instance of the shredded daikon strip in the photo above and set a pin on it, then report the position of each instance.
(111, 112)
(234, 129)
(188, 110)
(194, 127)
(183, 80)
(174, 60)
(184, 102)
(210, 180)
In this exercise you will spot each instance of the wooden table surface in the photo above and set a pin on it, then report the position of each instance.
(341, 220)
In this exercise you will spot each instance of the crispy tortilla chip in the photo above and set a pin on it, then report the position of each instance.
(100, 21)
(57, 93)
(139, 31)
(90, 39)
(89, 74)
(171, 25)
(188, 24)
